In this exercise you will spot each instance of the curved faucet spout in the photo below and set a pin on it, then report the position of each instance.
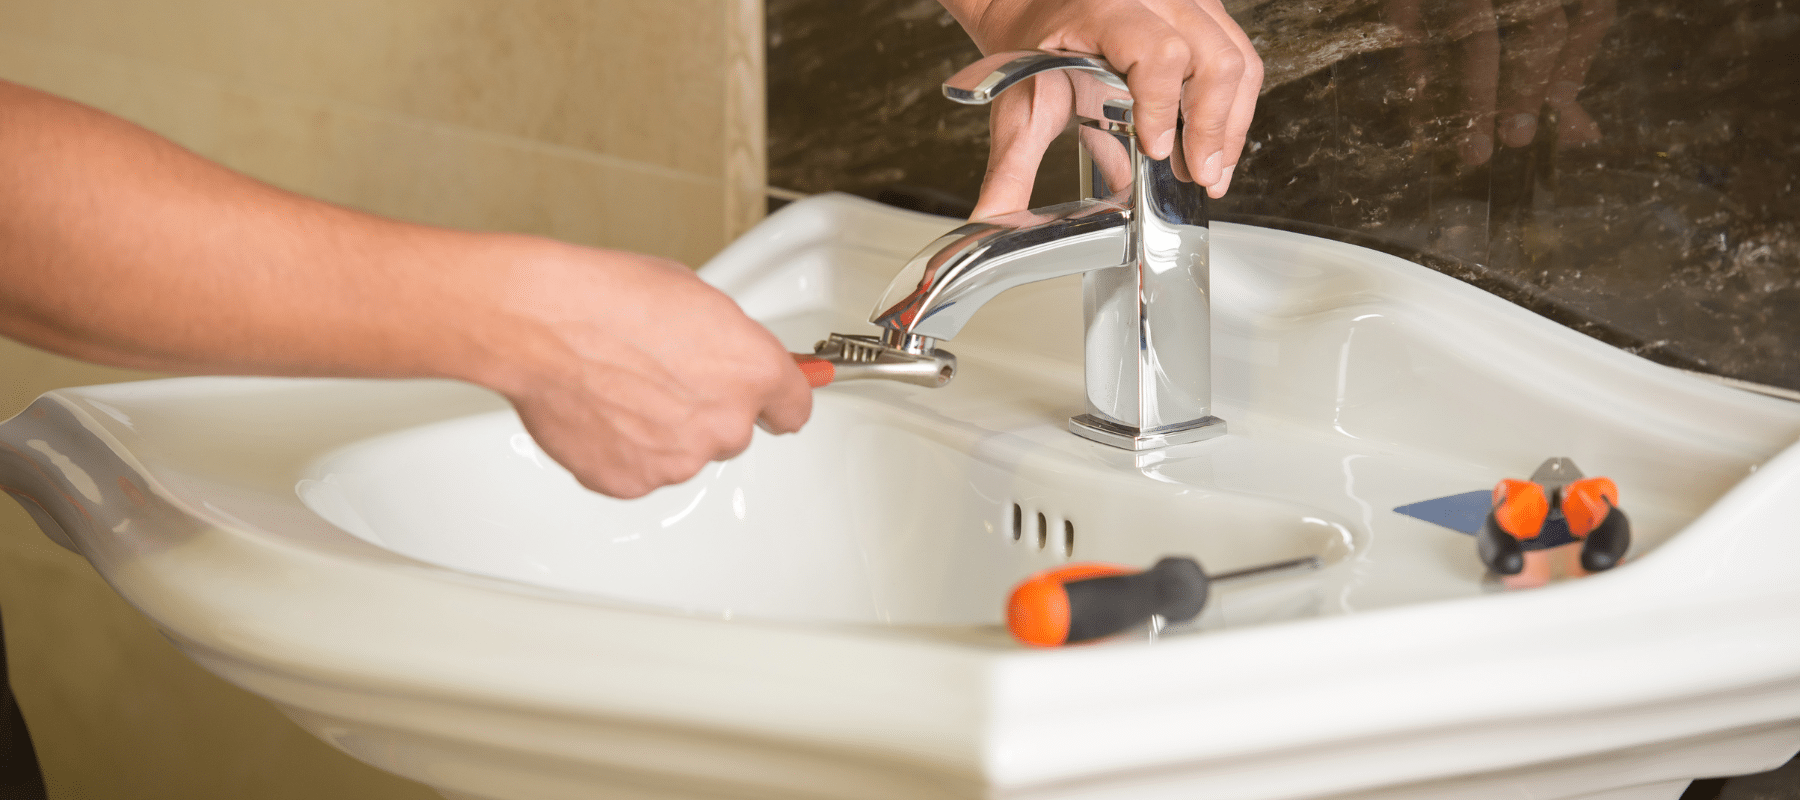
(944, 285)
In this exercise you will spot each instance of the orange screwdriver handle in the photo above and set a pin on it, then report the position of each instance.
(1080, 602)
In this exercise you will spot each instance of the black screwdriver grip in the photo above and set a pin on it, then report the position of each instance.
(1175, 588)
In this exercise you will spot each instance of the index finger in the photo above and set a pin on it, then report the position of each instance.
(1156, 60)
(788, 404)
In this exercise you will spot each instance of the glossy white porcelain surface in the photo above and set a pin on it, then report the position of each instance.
(864, 518)
(401, 569)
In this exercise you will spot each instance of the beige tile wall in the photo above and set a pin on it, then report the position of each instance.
(619, 123)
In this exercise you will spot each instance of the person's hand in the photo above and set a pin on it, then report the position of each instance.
(628, 369)
(632, 372)
(1181, 58)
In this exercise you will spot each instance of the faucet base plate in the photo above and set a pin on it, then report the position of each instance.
(1093, 428)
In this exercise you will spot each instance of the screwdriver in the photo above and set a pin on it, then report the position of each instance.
(1080, 602)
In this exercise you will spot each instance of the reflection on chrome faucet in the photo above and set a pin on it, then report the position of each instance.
(1139, 240)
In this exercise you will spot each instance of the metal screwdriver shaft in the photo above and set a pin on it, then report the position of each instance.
(1296, 564)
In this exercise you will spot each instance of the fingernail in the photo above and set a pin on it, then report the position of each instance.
(1224, 185)
(1210, 170)
(1165, 144)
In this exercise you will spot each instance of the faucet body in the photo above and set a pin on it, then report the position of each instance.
(1139, 239)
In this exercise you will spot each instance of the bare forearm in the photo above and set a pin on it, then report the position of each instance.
(117, 246)
(120, 247)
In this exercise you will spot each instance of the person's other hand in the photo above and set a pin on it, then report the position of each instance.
(1181, 58)
(632, 372)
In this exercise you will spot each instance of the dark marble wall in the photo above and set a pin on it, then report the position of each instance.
(1627, 171)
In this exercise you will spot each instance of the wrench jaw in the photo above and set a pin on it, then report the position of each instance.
(867, 358)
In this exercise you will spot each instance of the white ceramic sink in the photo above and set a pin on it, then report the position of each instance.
(865, 518)
(401, 569)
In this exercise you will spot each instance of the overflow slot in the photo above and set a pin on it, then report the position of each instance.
(1041, 528)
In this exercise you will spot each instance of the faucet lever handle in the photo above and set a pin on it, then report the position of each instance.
(980, 82)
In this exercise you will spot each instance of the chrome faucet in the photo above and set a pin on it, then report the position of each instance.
(1139, 239)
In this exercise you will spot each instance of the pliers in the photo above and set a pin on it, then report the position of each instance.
(1557, 506)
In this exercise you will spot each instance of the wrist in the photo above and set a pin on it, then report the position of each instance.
(484, 330)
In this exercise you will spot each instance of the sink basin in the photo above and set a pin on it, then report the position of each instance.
(399, 567)
(866, 518)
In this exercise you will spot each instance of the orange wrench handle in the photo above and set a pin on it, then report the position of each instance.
(818, 371)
